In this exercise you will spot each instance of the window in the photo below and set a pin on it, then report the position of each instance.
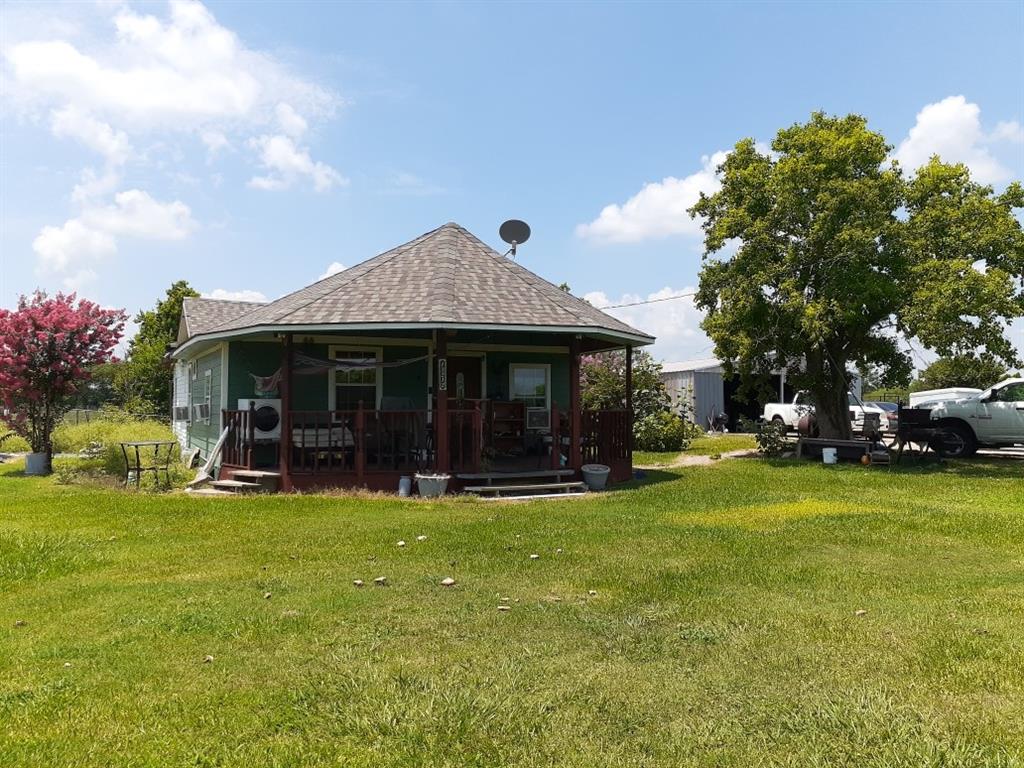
(529, 383)
(351, 387)
(1011, 393)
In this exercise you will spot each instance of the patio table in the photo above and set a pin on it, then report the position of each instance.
(134, 456)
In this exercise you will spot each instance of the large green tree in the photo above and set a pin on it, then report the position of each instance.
(821, 256)
(980, 372)
(143, 381)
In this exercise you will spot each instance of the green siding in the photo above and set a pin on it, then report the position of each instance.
(311, 393)
(498, 366)
(204, 436)
(407, 381)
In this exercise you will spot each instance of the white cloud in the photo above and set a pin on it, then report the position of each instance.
(287, 163)
(76, 248)
(675, 323)
(136, 214)
(952, 129)
(94, 134)
(215, 141)
(658, 210)
(404, 183)
(115, 77)
(332, 269)
(291, 122)
(184, 72)
(61, 248)
(243, 295)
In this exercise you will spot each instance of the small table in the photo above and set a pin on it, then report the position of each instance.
(161, 461)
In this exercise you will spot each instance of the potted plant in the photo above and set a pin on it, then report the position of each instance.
(47, 348)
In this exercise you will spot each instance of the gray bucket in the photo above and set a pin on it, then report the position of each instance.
(432, 485)
(35, 464)
(595, 476)
(404, 485)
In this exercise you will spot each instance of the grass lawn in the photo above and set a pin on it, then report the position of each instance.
(722, 632)
(707, 445)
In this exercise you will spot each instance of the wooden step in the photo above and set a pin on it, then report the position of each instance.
(540, 487)
(258, 474)
(236, 486)
(490, 477)
(208, 492)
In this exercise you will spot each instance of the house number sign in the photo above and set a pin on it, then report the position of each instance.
(442, 374)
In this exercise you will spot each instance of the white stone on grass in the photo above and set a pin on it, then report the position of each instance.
(381, 581)
(447, 581)
(358, 583)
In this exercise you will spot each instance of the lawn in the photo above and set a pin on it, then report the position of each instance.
(722, 628)
(708, 445)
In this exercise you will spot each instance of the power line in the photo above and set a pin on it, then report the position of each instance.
(648, 301)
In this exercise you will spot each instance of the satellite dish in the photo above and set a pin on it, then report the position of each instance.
(514, 232)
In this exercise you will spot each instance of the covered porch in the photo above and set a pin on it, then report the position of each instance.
(457, 402)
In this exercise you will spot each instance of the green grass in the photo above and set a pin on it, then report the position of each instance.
(722, 632)
(708, 445)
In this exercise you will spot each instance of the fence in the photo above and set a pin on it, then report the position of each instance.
(78, 416)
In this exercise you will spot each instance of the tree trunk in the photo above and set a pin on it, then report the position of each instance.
(832, 405)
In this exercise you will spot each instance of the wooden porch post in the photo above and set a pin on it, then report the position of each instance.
(575, 406)
(286, 414)
(441, 387)
(629, 405)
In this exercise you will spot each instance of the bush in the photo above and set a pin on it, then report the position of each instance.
(662, 431)
(12, 443)
(102, 438)
(770, 436)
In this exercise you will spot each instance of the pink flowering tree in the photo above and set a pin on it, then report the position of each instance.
(47, 348)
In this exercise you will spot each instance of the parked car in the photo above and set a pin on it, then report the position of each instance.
(891, 421)
(993, 419)
(790, 413)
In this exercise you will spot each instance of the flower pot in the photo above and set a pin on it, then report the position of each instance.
(432, 485)
(37, 464)
(595, 476)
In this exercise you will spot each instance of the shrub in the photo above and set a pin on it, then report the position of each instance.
(661, 431)
(770, 436)
(10, 442)
(102, 437)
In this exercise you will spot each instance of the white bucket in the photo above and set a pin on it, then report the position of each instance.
(829, 455)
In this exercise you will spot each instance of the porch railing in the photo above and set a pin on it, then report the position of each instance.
(238, 448)
(360, 441)
(606, 440)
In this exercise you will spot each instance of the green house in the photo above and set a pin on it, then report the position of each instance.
(440, 355)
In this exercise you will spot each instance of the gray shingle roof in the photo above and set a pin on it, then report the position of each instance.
(446, 276)
(202, 315)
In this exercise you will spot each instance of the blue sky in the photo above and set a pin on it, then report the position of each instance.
(247, 147)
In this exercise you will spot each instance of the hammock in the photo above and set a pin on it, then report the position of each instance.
(307, 365)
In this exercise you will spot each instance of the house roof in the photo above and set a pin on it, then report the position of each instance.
(445, 278)
(202, 315)
(700, 364)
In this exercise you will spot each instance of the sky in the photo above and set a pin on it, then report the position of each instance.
(251, 148)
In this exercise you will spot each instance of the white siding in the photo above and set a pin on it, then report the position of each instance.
(179, 397)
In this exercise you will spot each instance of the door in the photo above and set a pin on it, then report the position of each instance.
(1003, 414)
(464, 378)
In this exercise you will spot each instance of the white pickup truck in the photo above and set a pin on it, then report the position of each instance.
(790, 413)
(994, 418)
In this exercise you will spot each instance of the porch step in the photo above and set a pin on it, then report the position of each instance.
(498, 490)
(490, 477)
(236, 486)
(208, 492)
(266, 480)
